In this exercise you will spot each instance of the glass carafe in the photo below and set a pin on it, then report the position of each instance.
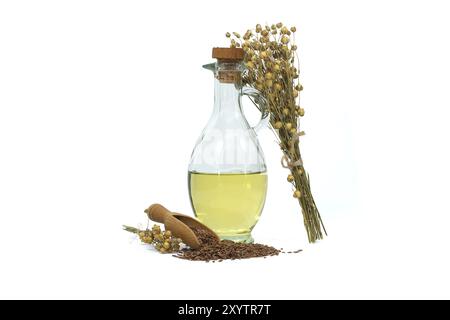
(227, 172)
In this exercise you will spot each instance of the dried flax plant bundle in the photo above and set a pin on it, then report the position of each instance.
(272, 68)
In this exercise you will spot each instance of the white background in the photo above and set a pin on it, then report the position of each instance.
(101, 103)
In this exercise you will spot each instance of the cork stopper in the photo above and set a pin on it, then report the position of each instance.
(235, 54)
(229, 59)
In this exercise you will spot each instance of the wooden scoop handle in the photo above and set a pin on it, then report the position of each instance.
(157, 213)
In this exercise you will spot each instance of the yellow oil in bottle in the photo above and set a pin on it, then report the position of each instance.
(230, 204)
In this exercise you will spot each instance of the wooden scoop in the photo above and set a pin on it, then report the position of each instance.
(179, 224)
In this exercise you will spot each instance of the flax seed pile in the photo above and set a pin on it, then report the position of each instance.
(214, 250)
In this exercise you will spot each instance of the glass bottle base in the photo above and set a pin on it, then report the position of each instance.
(243, 238)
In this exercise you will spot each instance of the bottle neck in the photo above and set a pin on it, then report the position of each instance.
(227, 86)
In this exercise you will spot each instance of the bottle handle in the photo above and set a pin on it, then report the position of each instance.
(260, 102)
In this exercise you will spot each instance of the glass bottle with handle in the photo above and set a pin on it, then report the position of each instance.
(227, 172)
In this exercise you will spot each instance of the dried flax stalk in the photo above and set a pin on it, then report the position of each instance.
(271, 59)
